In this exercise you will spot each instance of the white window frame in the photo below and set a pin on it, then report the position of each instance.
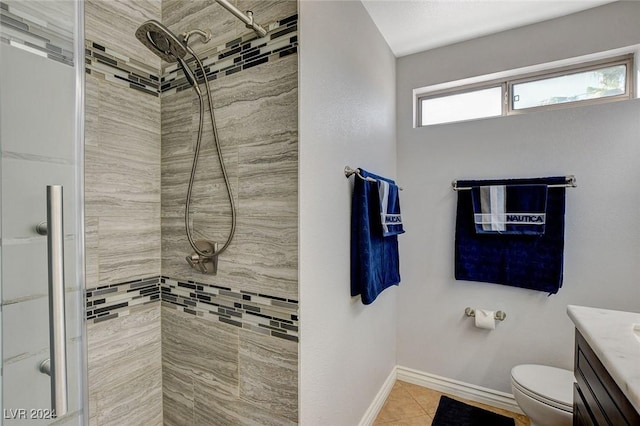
(456, 91)
(510, 79)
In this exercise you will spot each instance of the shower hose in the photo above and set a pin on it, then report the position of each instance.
(207, 254)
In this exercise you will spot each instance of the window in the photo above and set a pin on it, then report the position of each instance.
(595, 82)
(579, 86)
(462, 106)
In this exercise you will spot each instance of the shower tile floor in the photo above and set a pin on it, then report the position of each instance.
(409, 405)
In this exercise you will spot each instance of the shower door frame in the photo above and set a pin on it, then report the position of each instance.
(82, 414)
(79, 68)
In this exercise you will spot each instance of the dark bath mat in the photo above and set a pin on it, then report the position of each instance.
(455, 413)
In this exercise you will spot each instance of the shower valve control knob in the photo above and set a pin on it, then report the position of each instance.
(196, 263)
(205, 264)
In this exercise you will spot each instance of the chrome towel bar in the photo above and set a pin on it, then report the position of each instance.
(571, 183)
(348, 171)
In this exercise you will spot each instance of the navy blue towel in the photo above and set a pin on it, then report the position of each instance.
(528, 261)
(375, 264)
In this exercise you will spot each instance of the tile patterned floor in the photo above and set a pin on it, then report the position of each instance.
(412, 405)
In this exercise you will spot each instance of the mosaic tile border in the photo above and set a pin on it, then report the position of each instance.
(116, 300)
(21, 30)
(16, 29)
(260, 313)
(102, 62)
(237, 55)
(232, 57)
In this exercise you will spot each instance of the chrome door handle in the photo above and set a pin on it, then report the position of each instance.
(56, 367)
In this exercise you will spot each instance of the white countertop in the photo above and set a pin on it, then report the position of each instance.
(610, 335)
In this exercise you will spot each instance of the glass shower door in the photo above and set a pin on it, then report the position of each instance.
(41, 244)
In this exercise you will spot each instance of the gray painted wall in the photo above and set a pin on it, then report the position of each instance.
(347, 117)
(599, 144)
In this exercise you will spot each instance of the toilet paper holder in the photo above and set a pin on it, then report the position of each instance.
(499, 315)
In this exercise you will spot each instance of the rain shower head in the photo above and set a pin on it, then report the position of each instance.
(161, 41)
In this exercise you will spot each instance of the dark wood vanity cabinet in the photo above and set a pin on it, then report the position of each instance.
(597, 399)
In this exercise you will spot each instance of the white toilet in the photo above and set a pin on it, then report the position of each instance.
(545, 394)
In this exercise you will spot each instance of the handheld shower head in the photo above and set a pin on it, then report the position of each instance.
(189, 75)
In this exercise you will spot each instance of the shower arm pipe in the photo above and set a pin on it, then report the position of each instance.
(205, 36)
(248, 20)
(195, 164)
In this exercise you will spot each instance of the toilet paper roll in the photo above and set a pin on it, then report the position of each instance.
(485, 319)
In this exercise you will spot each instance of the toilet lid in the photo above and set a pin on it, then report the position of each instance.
(551, 385)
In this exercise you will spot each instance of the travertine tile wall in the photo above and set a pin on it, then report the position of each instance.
(228, 342)
(258, 134)
(217, 374)
(224, 362)
(125, 369)
(256, 112)
(122, 208)
(122, 147)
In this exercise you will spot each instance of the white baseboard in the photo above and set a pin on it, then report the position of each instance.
(453, 387)
(373, 410)
(460, 389)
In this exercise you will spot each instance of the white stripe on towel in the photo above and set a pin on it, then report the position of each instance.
(383, 192)
(493, 204)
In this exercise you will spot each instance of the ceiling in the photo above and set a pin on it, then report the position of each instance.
(418, 25)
